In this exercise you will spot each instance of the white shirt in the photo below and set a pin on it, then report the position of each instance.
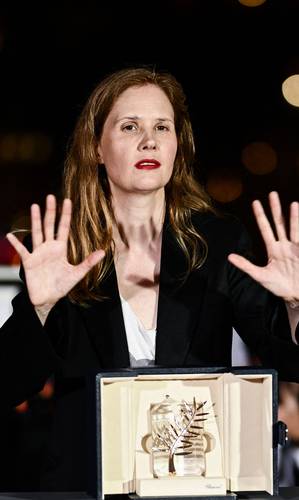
(141, 342)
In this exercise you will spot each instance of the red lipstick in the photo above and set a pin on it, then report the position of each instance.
(147, 164)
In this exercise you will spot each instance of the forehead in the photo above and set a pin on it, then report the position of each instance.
(148, 101)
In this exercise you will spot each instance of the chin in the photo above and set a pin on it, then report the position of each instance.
(150, 186)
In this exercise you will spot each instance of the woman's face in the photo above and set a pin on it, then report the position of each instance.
(139, 144)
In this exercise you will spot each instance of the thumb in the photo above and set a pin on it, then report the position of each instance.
(245, 265)
(87, 264)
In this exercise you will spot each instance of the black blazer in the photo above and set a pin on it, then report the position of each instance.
(194, 328)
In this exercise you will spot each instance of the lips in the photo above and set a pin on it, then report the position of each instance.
(147, 164)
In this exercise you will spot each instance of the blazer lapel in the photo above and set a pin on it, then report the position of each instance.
(105, 325)
(178, 304)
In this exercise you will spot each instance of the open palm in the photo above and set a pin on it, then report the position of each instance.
(49, 275)
(281, 274)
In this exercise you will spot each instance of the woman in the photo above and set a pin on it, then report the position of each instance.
(144, 271)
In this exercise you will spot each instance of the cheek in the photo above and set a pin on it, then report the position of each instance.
(171, 156)
(172, 151)
(113, 169)
(116, 163)
(113, 158)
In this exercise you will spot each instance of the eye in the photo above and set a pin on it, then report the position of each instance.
(129, 127)
(162, 128)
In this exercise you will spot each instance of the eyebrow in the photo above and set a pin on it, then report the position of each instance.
(139, 118)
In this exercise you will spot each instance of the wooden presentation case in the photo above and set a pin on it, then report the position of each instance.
(243, 422)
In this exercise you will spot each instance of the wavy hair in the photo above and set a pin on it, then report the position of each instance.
(87, 185)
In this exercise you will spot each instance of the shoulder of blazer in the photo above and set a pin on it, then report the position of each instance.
(222, 232)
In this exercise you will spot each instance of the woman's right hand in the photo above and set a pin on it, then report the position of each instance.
(49, 275)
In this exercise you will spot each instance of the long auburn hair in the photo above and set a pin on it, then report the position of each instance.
(87, 185)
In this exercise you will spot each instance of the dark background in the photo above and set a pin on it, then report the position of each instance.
(231, 61)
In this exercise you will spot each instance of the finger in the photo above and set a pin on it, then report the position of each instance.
(263, 224)
(65, 220)
(246, 266)
(85, 266)
(50, 216)
(294, 222)
(18, 246)
(277, 215)
(36, 226)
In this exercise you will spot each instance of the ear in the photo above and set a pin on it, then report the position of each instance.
(99, 154)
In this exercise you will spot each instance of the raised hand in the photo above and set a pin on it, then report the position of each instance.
(49, 275)
(281, 274)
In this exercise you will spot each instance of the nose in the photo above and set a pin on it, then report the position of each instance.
(148, 141)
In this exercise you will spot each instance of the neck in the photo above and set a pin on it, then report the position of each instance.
(139, 219)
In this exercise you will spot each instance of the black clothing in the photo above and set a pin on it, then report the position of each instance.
(194, 328)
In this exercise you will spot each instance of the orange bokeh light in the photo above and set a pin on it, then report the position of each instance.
(252, 3)
(224, 186)
(47, 391)
(259, 158)
(23, 407)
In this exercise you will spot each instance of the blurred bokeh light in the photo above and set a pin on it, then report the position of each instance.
(224, 185)
(22, 407)
(25, 148)
(290, 90)
(252, 3)
(259, 158)
(8, 255)
(48, 390)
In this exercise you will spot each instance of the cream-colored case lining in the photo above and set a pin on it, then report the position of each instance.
(240, 421)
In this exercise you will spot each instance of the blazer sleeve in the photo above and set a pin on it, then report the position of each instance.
(261, 319)
(29, 352)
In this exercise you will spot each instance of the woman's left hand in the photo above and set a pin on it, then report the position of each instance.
(281, 274)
